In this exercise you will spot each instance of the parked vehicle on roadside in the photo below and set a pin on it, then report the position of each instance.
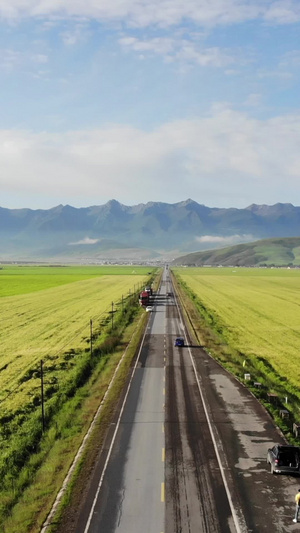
(284, 459)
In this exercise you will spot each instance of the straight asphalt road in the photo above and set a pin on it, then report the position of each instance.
(187, 453)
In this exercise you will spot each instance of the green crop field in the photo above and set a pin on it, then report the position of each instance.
(16, 280)
(258, 311)
(46, 313)
(63, 331)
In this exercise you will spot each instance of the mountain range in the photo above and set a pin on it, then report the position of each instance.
(150, 231)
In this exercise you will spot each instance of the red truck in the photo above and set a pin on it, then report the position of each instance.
(144, 298)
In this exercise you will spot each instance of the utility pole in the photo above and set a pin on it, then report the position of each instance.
(112, 315)
(91, 336)
(42, 396)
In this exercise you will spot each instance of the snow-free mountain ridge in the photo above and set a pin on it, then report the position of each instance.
(150, 230)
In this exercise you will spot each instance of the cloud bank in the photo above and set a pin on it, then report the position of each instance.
(223, 159)
(143, 13)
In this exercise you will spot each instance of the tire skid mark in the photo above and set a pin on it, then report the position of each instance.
(180, 522)
(197, 436)
(173, 453)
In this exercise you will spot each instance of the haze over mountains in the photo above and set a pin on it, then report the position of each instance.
(154, 230)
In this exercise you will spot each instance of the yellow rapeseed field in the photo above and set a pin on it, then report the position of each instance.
(259, 310)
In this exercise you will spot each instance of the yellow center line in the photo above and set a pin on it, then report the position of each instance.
(162, 492)
(163, 455)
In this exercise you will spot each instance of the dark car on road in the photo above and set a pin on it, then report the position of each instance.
(179, 341)
(284, 459)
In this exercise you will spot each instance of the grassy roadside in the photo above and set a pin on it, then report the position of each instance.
(27, 500)
(274, 391)
(69, 506)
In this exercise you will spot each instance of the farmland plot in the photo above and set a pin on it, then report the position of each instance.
(47, 314)
(47, 324)
(258, 311)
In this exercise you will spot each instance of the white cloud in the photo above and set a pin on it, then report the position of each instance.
(76, 34)
(253, 100)
(226, 241)
(9, 59)
(85, 241)
(224, 158)
(290, 59)
(40, 58)
(208, 57)
(278, 73)
(12, 60)
(287, 68)
(180, 50)
(283, 12)
(157, 45)
(143, 13)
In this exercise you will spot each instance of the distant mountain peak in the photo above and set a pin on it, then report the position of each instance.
(114, 207)
(264, 207)
(154, 226)
(113, 202)
(189, 201)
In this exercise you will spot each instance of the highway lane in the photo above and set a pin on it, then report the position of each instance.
(187, 454)
(196, 497)
(130, 497)
(242, 432)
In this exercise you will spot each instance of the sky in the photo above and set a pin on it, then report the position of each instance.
(149, 101)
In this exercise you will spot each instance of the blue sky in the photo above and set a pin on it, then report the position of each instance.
(143, 100)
